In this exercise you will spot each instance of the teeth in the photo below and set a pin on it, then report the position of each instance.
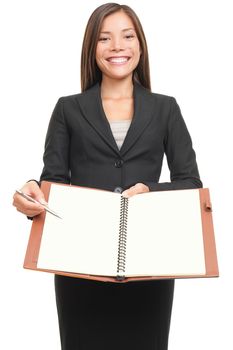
(118, 60)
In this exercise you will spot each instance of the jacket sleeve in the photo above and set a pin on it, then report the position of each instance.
(180, 155)
(56, 152)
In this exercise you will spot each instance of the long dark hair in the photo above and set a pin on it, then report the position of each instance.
(90, 72)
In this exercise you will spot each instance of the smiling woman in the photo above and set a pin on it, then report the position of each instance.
(85, 147)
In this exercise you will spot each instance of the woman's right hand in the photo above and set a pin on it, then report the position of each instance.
(26, 207)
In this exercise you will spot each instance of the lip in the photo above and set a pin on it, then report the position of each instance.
(118, 63)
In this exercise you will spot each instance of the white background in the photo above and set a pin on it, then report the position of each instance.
(190, 48)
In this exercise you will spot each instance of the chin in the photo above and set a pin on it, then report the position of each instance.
(118, 76)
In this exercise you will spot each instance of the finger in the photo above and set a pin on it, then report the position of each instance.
(136, 189)
(30, 213)
(129, 192)
(32, 189)
(28, 208)
(31, 208)
(21, 202)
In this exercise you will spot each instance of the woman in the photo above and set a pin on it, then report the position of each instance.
(113, 136)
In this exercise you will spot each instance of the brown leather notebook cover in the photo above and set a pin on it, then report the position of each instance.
(210, 255)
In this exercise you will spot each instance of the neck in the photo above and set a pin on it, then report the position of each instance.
(116, 89)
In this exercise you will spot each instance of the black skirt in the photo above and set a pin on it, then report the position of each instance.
(97, 315)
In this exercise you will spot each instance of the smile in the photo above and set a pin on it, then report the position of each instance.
(118, 60)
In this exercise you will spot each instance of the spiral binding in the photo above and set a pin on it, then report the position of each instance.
(122, 238)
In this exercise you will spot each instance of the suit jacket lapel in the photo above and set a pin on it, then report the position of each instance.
(91, 105)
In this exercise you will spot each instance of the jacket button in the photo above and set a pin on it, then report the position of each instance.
(118, 189)
(119, 163)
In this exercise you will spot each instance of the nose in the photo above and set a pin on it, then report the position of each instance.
(117, 44)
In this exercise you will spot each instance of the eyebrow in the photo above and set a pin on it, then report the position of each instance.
(123, 30)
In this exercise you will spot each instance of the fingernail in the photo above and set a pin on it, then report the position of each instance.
(125, 194)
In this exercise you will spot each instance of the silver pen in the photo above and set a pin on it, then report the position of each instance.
(29, 198)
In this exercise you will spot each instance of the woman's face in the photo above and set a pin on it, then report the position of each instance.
(118, 49)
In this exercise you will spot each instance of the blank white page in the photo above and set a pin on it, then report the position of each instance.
(85, 240)
(164, 234)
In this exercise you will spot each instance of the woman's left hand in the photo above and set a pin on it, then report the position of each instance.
(136, 189)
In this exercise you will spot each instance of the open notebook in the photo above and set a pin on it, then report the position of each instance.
(102, 235)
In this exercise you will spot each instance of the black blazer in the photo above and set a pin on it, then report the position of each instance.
(80, 148)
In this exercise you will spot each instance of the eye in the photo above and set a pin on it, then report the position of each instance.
(129, 36)
(103, 38)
